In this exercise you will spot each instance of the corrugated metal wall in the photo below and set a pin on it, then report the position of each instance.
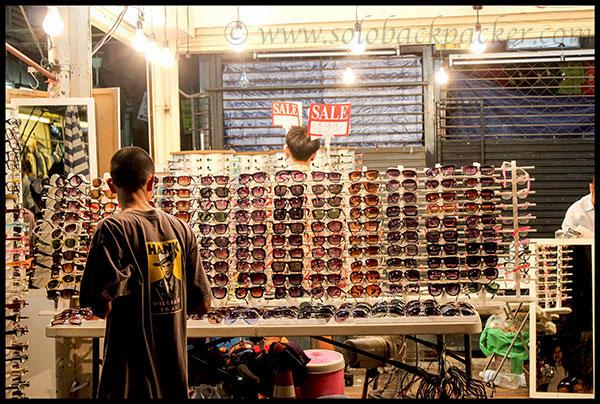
(538, 114)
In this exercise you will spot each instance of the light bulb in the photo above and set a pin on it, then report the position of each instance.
(348, 75)
(238, 43)
(152, 52)
(139, 41)
(53, 25)
(441, 76)
(244, 79)
(357, 44)
(478, 44)
(166, 58)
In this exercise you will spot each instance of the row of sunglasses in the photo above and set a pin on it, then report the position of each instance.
(319, 176)
(245, 315)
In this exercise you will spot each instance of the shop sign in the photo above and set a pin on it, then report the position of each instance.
(286, 114)
(329, 120)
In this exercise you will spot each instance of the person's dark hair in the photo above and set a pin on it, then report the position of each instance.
(27, 166)
(130, 167)
(300, 144)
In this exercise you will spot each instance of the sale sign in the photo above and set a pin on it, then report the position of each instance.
(286, 114)
(329, 119)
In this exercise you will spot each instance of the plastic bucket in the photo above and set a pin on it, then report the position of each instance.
(325, 374)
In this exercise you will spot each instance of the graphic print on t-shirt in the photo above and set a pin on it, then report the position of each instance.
(165, 276)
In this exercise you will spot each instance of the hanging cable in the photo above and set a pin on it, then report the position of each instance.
(187, 52)
(37, 42)
(110, 32)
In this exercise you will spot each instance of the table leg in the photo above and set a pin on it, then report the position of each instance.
(95, 365)
(468, 355)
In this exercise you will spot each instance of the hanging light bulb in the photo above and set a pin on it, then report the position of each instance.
(152, 52)
(441, 76)
(244, 79)
(357, 44)
(166, 58)
(349, 75)
(237, 37)
(479, 43)
(139, 41)
(53, 25)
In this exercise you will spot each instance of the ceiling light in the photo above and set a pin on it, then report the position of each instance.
(357, 44)
(152, 52)
(349, 75)
(237, 36)
(53, 25)
(140, 43)
(479, 43)
(166, 58)
(441, 76)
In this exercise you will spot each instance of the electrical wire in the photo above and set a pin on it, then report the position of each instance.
(37, 42)
(111, 31)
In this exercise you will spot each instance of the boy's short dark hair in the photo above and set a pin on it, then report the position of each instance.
(300, 144)
(130, 167)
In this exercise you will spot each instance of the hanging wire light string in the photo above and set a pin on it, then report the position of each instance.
(187, 52)
(110, 32)
(35, 39)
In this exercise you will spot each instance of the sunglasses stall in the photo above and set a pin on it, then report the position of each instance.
(18, 266)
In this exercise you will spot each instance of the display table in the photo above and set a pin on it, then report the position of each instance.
(440, 325)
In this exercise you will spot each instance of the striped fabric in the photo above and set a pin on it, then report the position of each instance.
(76, 156)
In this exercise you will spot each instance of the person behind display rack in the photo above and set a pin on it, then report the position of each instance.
(143, 275)
(300, 149)
(579, 219)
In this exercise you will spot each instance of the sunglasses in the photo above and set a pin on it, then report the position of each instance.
(472, 170)
(409, 236)
(370, 187)
(445, 208)
(259, 177)
(259, 228)
(244, 215)
(488, 248)
(333, 201)
(285, 175)
(446, 183)
(409, 249)
(256, 191)
(370, 263)
(256, 278)
(490, 273)
(333, 213)
(476, 260)
(54, 283)
(400, 263)
(54, 294)
(332, 176)
(370, 212)
(409, 223)
(219, 179)
(407, 197)
(486, 207)
(219, 253)
(367, 239)
(435, 171)
(280, 240)
(295, 190)
(183, 180)
(433, 236)
(475, 287)
(220, 241)
(255, 291)
(282, 214)
(219, 228)
(434, 222)
(435, 196)
(294, 291)
(219, 266)
(484, 181)
(333, 226)
(281, 203)
(370, 175)
(371, 276)
(258, 254)
(371, 290)
(292, 266)
(332, 252)
(356, 251)
(220, 279)
(333, 264)
(245, 266)
(486, 221)
(370, 200)
(435, 249)
(293, 279)
(319, 189)
(484, 194)
(333, 239)
(436, 262)
(318, 279)
(280, 253)
(438, 274)
(282, 227)
(436, 289)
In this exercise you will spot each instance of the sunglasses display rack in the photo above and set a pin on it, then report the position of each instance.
(73, 207)
(553, 265)
(17, 266)
(348, 235)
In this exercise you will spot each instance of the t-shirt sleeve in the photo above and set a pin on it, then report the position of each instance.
(198, 289)
(103, 270)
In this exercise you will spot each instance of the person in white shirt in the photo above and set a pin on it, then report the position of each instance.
(579, 219)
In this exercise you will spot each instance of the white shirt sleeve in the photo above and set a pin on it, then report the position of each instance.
(579, 218)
